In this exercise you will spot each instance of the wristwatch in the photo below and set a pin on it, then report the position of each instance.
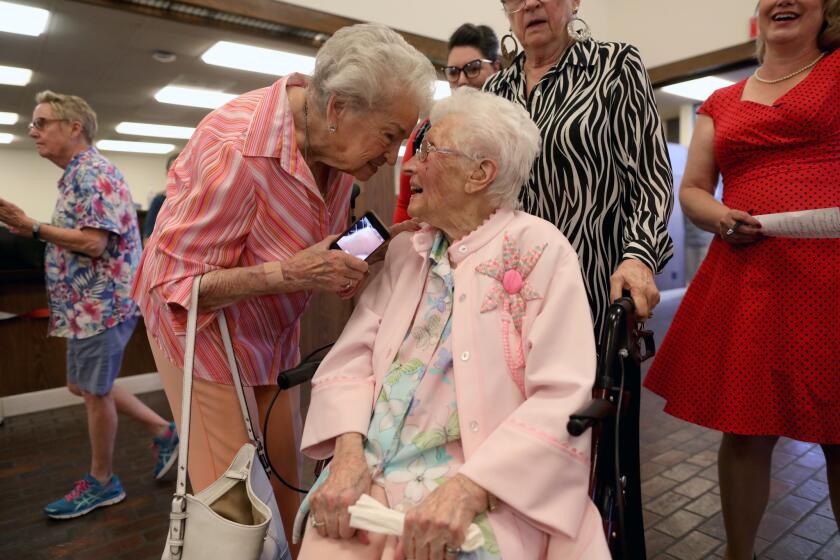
(36, 231)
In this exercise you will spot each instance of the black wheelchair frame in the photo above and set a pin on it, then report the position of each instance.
(613, 416)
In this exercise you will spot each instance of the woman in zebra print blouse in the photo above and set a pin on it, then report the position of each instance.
(604, 176)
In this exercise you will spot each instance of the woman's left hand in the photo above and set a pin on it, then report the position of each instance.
(396, 229)
(436, 528)
(635, 276)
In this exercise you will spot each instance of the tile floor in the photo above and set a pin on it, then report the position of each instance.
(42, 454)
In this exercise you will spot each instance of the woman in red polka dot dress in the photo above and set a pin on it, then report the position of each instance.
(754, 350)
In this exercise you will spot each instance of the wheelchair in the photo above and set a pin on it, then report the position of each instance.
(613, 416)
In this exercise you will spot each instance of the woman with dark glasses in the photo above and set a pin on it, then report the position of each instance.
(473, 57)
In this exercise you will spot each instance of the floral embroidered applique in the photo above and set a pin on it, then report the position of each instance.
(512, 292)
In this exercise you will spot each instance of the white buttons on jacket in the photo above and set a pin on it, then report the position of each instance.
(465, 356)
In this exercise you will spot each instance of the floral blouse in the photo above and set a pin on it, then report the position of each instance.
(413, 444)
(88, 295)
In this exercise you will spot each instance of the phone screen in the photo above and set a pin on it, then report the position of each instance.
(361, 240)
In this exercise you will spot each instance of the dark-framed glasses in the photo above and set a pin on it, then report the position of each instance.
(41, 123)
(427, 147)
(471, 69)
(513, 6)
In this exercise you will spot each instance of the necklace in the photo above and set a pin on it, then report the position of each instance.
(789, 76)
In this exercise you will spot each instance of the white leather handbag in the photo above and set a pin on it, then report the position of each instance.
(236, 517)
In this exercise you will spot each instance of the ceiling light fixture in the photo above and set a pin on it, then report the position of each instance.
(193, 97)
(442, 89)
(6, 138)
(23, 20)
(138, 147)
(257, 59)
(8, 118)
(12, 76)
(699, 89)
(158, 130)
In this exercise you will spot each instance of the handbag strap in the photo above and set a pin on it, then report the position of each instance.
(186, 399)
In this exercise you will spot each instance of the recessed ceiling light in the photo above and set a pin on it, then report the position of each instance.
(442, 89)
(699, 89)
(12, 76)
(159, 130)
(6, 138)
(23, 20)
(257, 59)
(193, 97)
(8, 118)
(139, 147)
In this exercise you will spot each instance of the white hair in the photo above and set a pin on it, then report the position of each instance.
(370, 66)
(494, 128)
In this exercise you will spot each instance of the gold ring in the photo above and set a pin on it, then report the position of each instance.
(449, 550)
(315, 523)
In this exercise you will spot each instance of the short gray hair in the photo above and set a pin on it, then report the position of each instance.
(494, 128)
(71, 108)
(370, 65)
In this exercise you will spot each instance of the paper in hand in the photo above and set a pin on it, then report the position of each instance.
(815, 224)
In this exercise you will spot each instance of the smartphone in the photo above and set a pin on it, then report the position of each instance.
(364, 237)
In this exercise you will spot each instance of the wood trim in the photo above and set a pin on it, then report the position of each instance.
(304, 26)
(721, 60)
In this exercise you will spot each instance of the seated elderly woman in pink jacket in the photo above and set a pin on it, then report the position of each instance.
(448, 393)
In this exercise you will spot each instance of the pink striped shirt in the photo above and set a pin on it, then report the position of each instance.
(239, 195)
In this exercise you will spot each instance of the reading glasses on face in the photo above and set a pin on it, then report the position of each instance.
(41, 123)
(513, 6)
(426, 147)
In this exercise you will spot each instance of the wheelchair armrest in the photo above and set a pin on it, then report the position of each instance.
(588, 415)
(297, 375)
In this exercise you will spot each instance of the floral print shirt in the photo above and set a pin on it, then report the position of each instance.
(88, 295)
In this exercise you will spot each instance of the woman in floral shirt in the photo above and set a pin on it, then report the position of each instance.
(447, 395)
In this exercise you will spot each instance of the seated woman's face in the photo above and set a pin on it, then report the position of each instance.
(437, 184)
(366, 140)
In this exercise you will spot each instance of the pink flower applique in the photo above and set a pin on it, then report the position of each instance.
(512, 292)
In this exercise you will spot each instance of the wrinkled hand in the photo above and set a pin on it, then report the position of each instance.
(349, 478)
(441, 520)
(15, 219)
(739, 228)
(321, 268)
(635, 276)
(396, 229)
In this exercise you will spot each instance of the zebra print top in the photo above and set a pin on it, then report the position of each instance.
(604, 176)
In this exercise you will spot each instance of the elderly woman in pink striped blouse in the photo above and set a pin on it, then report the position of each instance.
(252, 204)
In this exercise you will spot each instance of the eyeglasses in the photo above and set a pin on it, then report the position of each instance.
(513, 6)
(41, 123)
(471, 69)
(426, 147)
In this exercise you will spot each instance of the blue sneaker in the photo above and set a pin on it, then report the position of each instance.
(87, 495)
(166, 449)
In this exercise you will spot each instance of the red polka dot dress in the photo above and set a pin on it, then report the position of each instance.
(755, 347)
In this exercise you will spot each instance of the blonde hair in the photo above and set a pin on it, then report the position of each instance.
(71, 108)
(828, 39)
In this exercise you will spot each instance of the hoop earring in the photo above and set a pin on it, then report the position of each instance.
(581, 33)
(332, 128)
(508, 55)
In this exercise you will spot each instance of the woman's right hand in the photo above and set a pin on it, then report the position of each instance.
(349, 478)
(320, 268)
(738, 227)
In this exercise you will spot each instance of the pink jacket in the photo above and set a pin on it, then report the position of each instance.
(512, 418)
